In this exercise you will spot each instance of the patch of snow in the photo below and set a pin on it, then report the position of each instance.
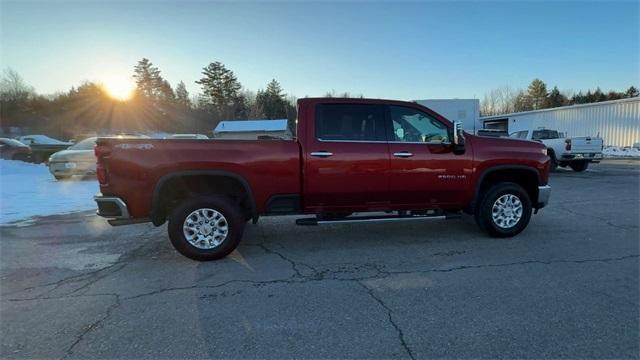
(28, 190)
(615, 151)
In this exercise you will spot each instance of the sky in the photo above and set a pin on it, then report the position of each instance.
(416, 50)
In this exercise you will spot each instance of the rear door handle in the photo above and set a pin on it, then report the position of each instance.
(321, 153)
(403, 154)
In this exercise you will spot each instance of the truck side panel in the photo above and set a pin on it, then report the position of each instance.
(135, 166)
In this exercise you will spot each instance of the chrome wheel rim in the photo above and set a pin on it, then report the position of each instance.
(507, 211)
(205, 228)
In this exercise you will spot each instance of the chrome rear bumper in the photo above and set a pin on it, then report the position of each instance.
(111, 207)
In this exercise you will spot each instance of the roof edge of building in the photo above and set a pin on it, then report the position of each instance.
(495, 117)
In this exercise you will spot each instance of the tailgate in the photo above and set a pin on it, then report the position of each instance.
(586, 144)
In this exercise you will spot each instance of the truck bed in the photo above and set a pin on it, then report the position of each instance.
(135, 166)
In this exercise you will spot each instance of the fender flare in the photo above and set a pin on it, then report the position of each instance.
(155, 200)
(492, 169)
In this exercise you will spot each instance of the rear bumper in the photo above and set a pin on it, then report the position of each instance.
(544, 192)
(592, 157)
(111, 207)
(115, 210)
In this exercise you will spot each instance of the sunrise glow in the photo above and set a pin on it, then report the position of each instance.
(119, 88)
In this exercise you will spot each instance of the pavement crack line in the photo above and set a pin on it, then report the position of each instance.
(298, 278)
(389, 312)
(294, 264)
(90, 277)
(604, 220)
(92, 326)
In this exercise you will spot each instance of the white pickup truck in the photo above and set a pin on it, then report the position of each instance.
(575, 152)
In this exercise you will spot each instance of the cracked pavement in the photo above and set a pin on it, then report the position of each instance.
(71, 286)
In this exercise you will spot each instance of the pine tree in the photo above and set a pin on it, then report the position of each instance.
(182, 95)
(631, 92)
(220, 88)
(165, 92)
(148, 79)
(556, 98)
(578, 98)
(598, 95)
(537, 93)
(272, 101)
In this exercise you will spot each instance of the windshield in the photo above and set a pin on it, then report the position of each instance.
(519, 134)
(86, 144)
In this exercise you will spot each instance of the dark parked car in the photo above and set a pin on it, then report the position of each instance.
(11, 149)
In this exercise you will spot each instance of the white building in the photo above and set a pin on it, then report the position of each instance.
(250, 129)
(616, 121)
(465, 110)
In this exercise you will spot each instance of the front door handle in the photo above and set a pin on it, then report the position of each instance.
(403, 154)
(321, 154)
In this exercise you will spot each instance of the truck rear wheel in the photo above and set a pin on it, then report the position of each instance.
(206, 227)
(579, 166)
(504, 211)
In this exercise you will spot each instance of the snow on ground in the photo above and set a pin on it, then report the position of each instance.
(615, 151)
(28, 190)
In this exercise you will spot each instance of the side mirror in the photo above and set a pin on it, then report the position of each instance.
(458, 138)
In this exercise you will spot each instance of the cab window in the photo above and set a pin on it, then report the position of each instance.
(544, 134)
(411, 125)
(350, 122)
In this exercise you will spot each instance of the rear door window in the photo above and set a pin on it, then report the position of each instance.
(350, 122)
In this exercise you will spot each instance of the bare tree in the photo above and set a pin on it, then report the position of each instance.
(13, 88)
(498, 101)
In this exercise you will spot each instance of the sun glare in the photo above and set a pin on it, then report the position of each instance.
(119, 88)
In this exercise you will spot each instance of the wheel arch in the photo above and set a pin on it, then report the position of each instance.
(526, 176)
(158, 206)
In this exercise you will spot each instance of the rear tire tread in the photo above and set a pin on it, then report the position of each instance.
(220, 203)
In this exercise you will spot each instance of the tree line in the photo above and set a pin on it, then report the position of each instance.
(504, 100)
(155, 104)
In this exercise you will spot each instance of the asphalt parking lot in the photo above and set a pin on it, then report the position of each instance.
(74, 287)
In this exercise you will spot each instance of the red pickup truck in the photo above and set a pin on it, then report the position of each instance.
(395, 160)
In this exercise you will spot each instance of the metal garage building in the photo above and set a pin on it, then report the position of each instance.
(465, 110)
(616, 121)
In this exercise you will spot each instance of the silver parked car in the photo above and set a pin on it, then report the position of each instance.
(76, 160)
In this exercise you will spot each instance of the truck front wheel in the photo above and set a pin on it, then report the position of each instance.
(206, 227)
(504, 211)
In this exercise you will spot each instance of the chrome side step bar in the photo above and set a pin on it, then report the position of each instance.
(120, 222)
(364, 219)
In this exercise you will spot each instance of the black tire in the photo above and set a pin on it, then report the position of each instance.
(553, 166)
(579, 166)
(62, 177)
(222, 204)
(484, 211)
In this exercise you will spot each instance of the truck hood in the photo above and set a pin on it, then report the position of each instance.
(508, 148)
